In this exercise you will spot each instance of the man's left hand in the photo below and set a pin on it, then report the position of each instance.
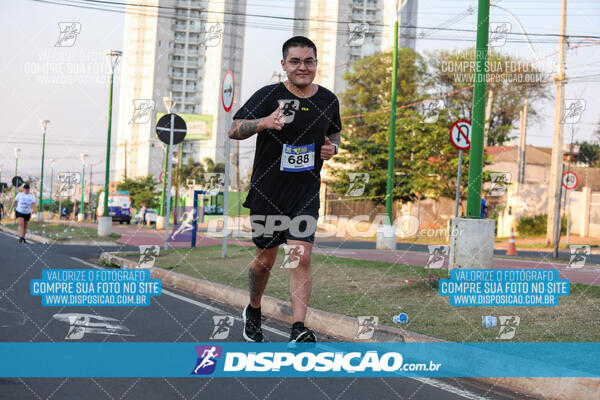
(327, 150)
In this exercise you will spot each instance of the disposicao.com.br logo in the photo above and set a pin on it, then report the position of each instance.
(298, 360)
(323, 362)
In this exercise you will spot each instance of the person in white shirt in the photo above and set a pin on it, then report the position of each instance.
(24, 204)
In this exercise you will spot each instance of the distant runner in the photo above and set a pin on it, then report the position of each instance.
(298, 125)
(24, 205)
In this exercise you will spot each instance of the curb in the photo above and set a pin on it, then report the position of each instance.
(30, 236)
(345, 328)
(44, 240)
(336, 325)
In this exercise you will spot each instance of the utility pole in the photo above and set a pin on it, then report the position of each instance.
(125, 156)
(488, 116)
(522, 142)
(557, 144)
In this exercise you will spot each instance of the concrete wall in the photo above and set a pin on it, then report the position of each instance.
(530, 200)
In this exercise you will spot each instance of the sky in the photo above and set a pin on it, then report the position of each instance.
(69, 85)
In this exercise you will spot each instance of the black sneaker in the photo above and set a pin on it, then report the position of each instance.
(21, 240)
(25, 241)
(300, 334)
(252, 331)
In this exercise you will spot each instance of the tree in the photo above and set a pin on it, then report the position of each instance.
(141, 190)
(425, 160)
(195, 170)
(510, 79)
(589, 154)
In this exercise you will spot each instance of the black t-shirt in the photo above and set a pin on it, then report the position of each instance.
(291, 185)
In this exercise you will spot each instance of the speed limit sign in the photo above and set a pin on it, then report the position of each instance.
(570, 180)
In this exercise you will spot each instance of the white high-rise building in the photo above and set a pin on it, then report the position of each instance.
(346, 30)
(183, 48)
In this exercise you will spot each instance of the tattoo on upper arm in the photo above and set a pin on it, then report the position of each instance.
(243, 128)
(335, 137)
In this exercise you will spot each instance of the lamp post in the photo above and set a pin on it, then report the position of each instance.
(44, 123)
(387, 238)
(105, 222)
(17, 151)
(81, 215)
(52, 162)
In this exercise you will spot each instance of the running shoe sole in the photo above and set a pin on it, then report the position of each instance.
(304, 335)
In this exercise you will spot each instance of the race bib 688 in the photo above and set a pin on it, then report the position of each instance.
(298, 158)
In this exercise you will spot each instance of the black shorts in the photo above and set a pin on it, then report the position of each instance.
(269, 231)
(26, 217)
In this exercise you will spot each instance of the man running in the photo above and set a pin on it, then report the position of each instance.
(24, 205)
(298, 126)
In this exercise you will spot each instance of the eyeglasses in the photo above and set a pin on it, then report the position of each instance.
(309, 62)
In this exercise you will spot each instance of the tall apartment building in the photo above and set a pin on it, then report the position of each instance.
(346, 30)
(182, 48)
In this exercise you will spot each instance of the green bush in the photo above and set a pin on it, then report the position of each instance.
(536, 225)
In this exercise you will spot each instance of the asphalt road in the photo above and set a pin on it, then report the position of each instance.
(171, 317)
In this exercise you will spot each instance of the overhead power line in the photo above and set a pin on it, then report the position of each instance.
(121, 7)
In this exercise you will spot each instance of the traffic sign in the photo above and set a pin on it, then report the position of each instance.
(460, 134)
(17, 181)
(570, 180)
(227, 91)
(163, 128)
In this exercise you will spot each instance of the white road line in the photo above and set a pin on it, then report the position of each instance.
(428, 381)
(197, 303)
(9, 234)
(451, 389)
(218, 310)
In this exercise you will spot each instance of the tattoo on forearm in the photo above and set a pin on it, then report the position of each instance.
(335, 137)
(243, 128)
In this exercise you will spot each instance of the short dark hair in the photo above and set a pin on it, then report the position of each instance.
(26, 186)
(298, 41)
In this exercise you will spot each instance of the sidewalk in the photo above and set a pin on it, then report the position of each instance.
(134, 236)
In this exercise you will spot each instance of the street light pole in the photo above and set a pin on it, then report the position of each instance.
(389, 201)
(81, 215)
(105, 222)
(388, 238)
(478, 116)
(17, 151)
(52, 161)
(44, 123)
